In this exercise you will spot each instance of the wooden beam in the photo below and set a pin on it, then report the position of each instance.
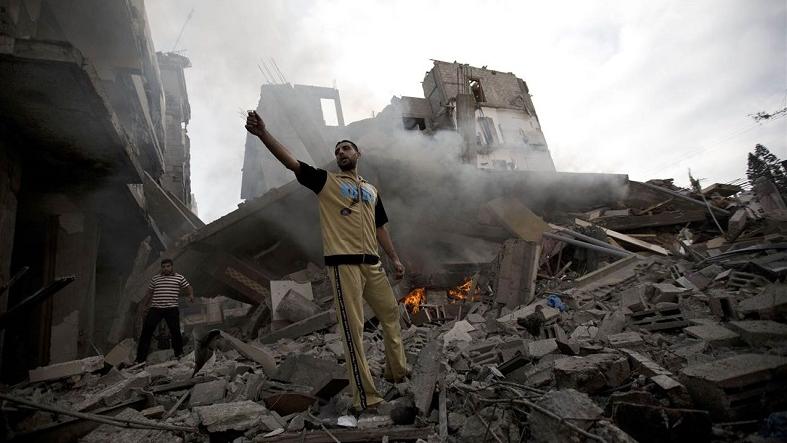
(626, 238)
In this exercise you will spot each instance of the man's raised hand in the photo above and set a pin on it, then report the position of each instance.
(254, 124)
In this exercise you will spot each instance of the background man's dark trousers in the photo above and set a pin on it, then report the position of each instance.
(152, 319)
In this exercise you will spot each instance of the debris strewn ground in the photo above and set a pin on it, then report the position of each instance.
(672, 331)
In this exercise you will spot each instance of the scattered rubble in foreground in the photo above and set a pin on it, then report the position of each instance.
(662, 319)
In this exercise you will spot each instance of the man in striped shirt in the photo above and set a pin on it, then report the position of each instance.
(161, 302)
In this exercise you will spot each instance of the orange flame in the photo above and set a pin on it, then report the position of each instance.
(414, 299)
(462, 291)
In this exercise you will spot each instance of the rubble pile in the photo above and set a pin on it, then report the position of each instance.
(662, 319)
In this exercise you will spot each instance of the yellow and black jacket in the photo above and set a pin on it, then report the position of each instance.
(350, 212)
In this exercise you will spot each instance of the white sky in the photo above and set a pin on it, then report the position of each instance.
(645, 88)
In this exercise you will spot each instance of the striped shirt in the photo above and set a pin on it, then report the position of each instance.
(166, 289)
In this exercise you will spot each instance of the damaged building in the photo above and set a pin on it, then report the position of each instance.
(95, 171)
(538, 305)
(491, 111)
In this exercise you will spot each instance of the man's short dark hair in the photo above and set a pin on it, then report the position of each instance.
(350, 142)
(165, 261)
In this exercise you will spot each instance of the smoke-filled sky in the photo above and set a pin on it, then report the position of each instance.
(645, 88)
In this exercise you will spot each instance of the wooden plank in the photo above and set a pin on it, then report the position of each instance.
(626, 238)
(425, 374)
(518, 219)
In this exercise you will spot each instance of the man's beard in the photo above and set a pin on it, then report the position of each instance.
(349, 166)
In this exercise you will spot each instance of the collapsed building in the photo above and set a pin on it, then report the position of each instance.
(539, 305)
(491, 111)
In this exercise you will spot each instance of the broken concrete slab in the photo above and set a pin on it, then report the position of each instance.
(760, 332)
(738, 387)
(208, 393)
(771, 304)
(459, 332)
(280, 288)
(236, 416)
(322, 320)
(294, 307)
(305, 370)
(425, 374)
(628, 339)
(516, 275)
(115, 393)
(122, 353)
(66, 369)
(539, 348)
(714, 334)
(575, 407)
(254, 353)
(592, 373)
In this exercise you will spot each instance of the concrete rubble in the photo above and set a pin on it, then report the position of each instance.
(608, 347)
(538, 306)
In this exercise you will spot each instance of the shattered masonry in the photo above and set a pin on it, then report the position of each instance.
(538, 306)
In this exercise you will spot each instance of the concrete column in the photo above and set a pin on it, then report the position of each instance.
(73, 307)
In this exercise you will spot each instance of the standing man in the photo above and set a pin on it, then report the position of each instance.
(161, 302)
(352, 219)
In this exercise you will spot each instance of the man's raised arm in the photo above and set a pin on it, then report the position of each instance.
(256, 126)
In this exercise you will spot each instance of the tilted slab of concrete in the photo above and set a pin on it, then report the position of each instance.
(51, 94)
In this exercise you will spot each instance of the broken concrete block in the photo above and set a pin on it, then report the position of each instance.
(153, 412)
(592, 373)
(301, 369)
(208, 393)
(237, 416)
(770, 304)
(66, 369)
(625, 340)
(517, 268)
(723, 307)
(656, 424)
(738, 387)
(736, 224)
(665, 292)
(760, 332)
(583, 333)
(539, 348)
(579, 373)
(612, 323)
(664, 316)
(280, 288)
(460, 332)
(254, 353)
(123, 352)
(643, 364)
(714, 334)
(576, 407)
(634, 298)
(294, 307)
